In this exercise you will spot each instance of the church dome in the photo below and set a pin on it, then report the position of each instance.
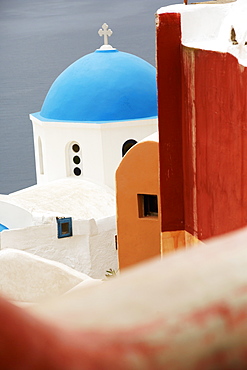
(106, 85)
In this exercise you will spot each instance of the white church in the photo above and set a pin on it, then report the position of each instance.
(97, 108)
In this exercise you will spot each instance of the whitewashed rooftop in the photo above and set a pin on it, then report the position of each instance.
(80, 199)
(208, 26)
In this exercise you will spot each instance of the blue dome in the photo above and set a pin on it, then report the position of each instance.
(105, 85)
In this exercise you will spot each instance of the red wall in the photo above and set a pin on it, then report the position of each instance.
(170, 121)
(203, 136)
(215, 107)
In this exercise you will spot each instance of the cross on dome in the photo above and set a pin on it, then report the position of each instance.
(104, 31)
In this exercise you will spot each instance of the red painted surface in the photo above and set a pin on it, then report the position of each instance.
(179, 343)
(28, 343)
(233, 321)
(170, 121)
(231, 316)
(203, 143)
(216, 104)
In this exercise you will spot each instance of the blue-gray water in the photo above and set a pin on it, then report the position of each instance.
(39, 39)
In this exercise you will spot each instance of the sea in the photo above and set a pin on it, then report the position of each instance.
(38, 40)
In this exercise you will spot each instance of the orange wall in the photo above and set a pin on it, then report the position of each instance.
(138, 238)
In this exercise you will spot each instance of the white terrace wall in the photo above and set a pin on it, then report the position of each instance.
(13, 216)
(104, 255)
(90, 250)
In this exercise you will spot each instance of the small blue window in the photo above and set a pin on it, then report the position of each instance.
(64, 227)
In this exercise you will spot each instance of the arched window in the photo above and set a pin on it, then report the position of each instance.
(41, 161)
(75, 159)
(127, 145)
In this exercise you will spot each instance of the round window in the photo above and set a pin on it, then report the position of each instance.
(76, 159)
(76, 148)
(77, 171)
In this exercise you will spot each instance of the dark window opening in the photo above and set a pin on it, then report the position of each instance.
(77, 171)
(64, 227)
(76, 148)
(76, 159)
(233, 37)
(147, 205)
(116, 242)
(127, 145)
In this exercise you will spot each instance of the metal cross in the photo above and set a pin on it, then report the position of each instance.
(105, 32)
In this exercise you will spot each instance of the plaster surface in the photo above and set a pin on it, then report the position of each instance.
(28, 278)
(81, 199)
(138, 237)
(208, 26)
(101, 147)
(13, 216)
(90, 249)
(184, 280)
(192, 303)
(202, 140)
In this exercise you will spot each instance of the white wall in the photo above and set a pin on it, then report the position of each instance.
(199, 22)
(101, 147)
(28, 278)
(208, 26)
(14, 217)
(104, 255)
(38, 136)
(90, 250)
(115, 135)
(55, 137)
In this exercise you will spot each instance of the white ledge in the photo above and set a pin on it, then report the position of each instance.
(208, 26)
